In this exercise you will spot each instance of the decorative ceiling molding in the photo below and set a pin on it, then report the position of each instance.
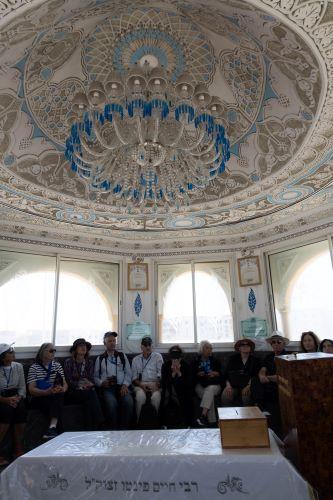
(273, 60)
(9, 6)
(199, 251)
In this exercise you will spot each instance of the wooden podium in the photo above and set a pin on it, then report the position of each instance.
(305, 384)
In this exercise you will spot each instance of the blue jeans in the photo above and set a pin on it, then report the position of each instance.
(119, 408)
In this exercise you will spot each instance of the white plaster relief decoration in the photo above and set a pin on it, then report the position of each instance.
(268, 77)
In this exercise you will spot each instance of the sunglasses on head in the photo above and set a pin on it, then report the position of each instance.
(10, 350)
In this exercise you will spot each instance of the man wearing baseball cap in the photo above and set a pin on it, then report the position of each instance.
(113, 375)
(146, 375)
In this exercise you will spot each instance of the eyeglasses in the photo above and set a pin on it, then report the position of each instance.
(52, 351)
(277, 342)
(244, 344)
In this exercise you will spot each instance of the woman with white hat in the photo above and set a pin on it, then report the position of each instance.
(12, 395)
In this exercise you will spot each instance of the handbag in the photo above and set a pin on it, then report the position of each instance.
(45, 383)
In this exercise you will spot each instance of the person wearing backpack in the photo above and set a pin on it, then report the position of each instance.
(146, 376)
(113, 375)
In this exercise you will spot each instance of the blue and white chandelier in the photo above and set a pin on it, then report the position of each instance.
(148, 141)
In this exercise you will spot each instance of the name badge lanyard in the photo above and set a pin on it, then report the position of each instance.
(83, 366)
(116, 363)
(146, 363)
(9, 375)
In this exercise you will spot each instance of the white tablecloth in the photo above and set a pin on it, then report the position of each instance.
(146, 465)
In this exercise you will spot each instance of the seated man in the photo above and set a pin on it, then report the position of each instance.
(113, 375)
(146, 376)
(264, 389)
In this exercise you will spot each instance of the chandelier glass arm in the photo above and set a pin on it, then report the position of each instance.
(105, 144)
(116, 128)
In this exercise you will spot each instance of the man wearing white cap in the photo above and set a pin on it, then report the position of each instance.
(265, 389)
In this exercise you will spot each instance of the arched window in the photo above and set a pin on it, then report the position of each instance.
(177, 316)
(26, 308)
(310, 298)
(302, 280)
(202, 293)
(86, 304)
(82, 311)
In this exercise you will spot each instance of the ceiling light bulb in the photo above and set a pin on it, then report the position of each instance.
(157, 82)
(81, 106)
(201, 97)
(114, 86)
(184, 87)
(214, 108)
(95, 94)
(136, 82)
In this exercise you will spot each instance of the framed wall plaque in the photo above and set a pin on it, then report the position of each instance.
(249, 271)
(137, 276)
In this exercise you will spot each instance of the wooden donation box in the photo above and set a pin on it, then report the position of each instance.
(306, 401)
(243, 427)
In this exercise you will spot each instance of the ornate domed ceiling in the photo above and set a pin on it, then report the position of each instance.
(268, 62)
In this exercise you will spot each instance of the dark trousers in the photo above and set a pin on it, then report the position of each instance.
(51, 406)
(11, 415)
(176, 408)
(92, 410)
(119, 408)
(266, 396)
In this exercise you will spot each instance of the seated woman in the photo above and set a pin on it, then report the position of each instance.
(326, 345)
(241, 367)
(264, 389)
(207, 378)
(47, 385)
(309, 342)
(175, 407)
(79, 373)
(12, 395)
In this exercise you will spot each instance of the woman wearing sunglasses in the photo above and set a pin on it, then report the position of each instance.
(47, 384)
(12, 395)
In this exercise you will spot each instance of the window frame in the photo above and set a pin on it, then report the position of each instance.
(28, 352)
(284, 248)
(193, 346)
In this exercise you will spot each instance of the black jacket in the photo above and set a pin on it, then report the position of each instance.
(181, 384)
(238, 373)
(215, 366)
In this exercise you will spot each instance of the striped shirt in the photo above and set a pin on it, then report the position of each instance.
(13, 378)
(39, 372)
